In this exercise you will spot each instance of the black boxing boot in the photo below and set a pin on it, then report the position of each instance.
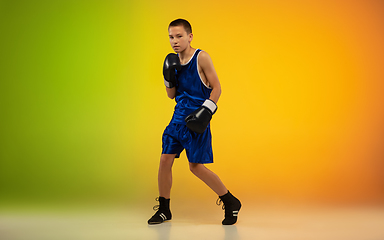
(163, 212)
(232, 206)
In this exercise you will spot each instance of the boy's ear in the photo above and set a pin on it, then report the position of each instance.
(190, 37)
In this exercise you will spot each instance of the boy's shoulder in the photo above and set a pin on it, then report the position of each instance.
(202, 52)
(204, 57)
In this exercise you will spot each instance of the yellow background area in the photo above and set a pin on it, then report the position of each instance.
(300, 118)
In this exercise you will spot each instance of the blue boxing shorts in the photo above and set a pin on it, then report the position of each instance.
(198, 147)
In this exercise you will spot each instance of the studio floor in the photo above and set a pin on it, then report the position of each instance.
(255, 222)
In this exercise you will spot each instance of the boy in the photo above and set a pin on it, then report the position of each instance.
(190, 77)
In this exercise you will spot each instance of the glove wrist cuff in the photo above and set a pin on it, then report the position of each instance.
(211, 105)
(168, 84)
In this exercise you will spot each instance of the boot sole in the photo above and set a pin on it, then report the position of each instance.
(156, 223)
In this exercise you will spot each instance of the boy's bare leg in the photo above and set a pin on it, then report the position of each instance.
(165, 184)
(232, 205)
(208, 177)
(165, 175)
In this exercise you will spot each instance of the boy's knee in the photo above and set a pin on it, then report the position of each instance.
(195, 168)
(167, 159)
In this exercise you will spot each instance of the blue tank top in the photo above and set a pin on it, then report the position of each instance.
(191, 92)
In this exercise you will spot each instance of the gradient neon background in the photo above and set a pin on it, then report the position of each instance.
(83, 105)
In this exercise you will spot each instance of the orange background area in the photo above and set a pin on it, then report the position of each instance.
(301, 114)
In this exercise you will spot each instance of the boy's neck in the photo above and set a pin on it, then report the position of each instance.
(186, 54)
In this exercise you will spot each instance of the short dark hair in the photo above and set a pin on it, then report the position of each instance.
(181, 22)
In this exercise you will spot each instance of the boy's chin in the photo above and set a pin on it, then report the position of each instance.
(177, 50)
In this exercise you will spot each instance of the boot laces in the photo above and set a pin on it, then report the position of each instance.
(156, 207)
(219, 202)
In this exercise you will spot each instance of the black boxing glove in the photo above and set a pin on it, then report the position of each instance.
(198, 120)
(171, 65)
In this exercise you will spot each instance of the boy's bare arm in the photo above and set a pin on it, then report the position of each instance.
(206, 65)
(171, 92)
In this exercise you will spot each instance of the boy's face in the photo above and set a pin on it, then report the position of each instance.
(179, 38)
